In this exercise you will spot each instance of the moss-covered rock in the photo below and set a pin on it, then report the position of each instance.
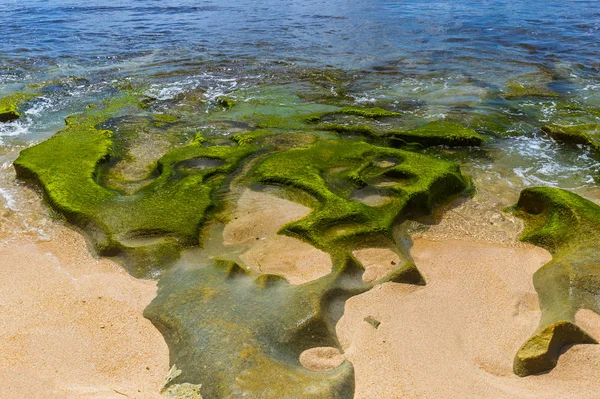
(333, 170)
(535, 84)
(440, 132)
(568, 226)
(430, 134)
(588, 134)
(540, 353)
(372, 113)
(9, 105)
(147, 228)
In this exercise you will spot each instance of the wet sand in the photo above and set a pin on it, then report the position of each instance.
(71, 326)
(254, 224)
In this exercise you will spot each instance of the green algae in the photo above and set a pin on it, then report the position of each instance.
(9, 105)
(170, 210)
(587, 134)
(331, 170)
(430, 134)
(273, 107)
(441, 133)
(225, 102)
(534, 84)
(568, 226)
(371, 113)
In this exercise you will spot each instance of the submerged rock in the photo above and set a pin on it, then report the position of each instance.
(535, 84)
(588, 134)
(568, 226)
(239, 334)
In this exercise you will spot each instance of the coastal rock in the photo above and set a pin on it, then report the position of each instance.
(535, 84)
(9, 105)
(147, 228)
(568, 226)
(540, 353)
(587, 134)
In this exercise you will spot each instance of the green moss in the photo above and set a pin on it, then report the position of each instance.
(225, 102)
(441, 133)
(568, 226)
(166, 118)
(351, 129)
(540, 353)
(576, 134)
(248, 137)
(371, 113)
(9, 105)
(169, 211)
(273, 107)
(530, 85)
(331, 170)
(431, 134)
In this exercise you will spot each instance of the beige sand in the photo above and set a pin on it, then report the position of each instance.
(321, 358)
(71, 326)
(255, 223)
(377, 262)
(457, 336)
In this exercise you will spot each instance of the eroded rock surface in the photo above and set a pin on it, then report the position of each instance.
(568, 226)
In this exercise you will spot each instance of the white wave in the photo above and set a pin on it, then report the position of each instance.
(18, 127)
(9, 199)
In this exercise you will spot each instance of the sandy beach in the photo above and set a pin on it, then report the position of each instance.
(71, 326)
(457, 336)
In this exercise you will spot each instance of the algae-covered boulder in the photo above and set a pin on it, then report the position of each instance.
(535, 84)
(540, 353)
(568, 226)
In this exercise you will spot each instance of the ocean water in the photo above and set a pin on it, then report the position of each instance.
(427, 59)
